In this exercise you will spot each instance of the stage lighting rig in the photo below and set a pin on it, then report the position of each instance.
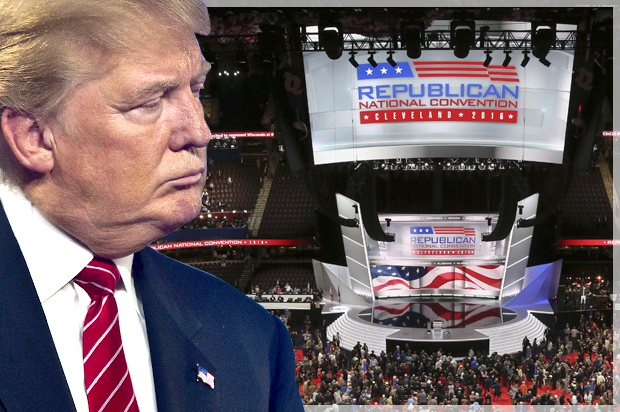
(331, 38)
(488, 59)
(412, 37)
(483, 34)
(352, 60)
(507, 59)
(543, 38)
(462, 37)
(390, 59)
(526, 58)
(371, 59)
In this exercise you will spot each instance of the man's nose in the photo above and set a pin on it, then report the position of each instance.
(191, 129)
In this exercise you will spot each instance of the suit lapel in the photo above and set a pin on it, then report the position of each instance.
(32, 376)
(172, 333)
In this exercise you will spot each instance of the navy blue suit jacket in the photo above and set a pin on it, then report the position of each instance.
(191, 318)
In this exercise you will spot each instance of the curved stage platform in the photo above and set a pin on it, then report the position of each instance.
(483, 325)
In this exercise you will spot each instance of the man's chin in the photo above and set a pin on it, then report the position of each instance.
(190, 209)
(176, 217)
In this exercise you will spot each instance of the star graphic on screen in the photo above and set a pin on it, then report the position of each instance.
(427, 230)
(510, 116)
(369, 72)
(407, 274)
(366, 117)
(403, 268)
(383, 70)
(379, 271)
(415, 230)
(417, 270)
(399, 69)
(394, 274)
(460, 114)
(389, 268)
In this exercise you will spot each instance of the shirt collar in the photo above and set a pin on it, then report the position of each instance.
(53, 257)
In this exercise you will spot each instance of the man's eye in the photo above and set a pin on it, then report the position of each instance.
(150, 105)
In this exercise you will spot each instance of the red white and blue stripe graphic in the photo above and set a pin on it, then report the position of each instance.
(438, 69)
(467, 69)
(401, 280)
(463, 277)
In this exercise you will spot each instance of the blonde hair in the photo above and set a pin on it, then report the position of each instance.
(43, 47)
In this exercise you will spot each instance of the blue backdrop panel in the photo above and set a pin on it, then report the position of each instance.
(541, 285)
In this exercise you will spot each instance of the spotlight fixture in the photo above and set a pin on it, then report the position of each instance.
(331, 38)
(544, 61)
(390, 59)
(543, 38)
(487, 61)
(371, 59)
(526, 59)
(412, 37)
(352, 60)
(507, 59)
(462, 37)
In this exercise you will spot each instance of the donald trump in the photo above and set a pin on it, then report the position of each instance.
(103, 150)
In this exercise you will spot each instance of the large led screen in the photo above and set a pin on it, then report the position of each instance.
(390, 281)
(436, 254)
(441, 238)
(437, 106)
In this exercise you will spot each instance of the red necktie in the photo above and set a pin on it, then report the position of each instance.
(108, 384)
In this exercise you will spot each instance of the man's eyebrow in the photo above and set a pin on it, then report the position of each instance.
(155, 88)
(152, 89)
(205, 66)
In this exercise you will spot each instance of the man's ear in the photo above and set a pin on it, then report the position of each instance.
(31, 143)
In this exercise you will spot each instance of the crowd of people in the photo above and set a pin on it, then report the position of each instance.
(578, 295)
(222, 221)
(570, 366)
(286, 288)
(223, 143)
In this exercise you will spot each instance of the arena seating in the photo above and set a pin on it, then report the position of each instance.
(586, 207)
(242, 193)
(296, 274)
(230, 271)
(289, 210)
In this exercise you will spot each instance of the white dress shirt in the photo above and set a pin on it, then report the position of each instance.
(54, 259)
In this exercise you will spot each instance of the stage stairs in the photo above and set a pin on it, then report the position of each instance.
(352, 332)
(508, 338)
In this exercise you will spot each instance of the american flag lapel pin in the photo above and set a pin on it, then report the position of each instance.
(204, 376)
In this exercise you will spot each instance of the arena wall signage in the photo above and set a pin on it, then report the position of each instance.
(240, 135)
(437, 106)
(589, 242)
(233, 242)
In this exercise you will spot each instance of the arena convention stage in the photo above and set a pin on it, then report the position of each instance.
(437, 269)
(460, 324)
